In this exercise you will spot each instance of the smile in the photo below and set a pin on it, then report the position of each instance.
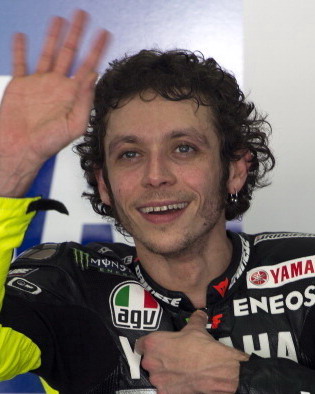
(164, 208)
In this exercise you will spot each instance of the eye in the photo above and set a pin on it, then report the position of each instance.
(130, 154)
(185, 148)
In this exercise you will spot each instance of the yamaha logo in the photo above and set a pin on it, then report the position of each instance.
(259, 278)
(134, 308)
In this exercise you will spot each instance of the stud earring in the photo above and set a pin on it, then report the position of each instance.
(233, 198)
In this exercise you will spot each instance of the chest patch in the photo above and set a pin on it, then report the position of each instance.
(270, 276)
(24, 285)
(134, 308)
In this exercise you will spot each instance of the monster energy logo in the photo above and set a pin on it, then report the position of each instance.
(86, 261)
(81, 258)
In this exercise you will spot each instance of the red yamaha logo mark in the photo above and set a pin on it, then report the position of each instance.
(259, 278)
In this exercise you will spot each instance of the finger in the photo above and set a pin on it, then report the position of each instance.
(83, 105)
(198, 320)
(139, 346)
(94, 56)
(19, 67)
(50, 46)
(69, 48)
(145, 342)
(152, 342)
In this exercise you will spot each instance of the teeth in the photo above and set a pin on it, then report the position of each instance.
(164, 207)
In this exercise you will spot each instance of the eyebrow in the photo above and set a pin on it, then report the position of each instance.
(129, 139)
(190, 132)
(174, 134)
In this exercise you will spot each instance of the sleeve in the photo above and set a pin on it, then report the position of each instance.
(275, 376)
(14, 221)
(281, 375)
(45, 324)
(18, 353)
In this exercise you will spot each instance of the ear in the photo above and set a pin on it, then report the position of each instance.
(238, 172)
(102, 188)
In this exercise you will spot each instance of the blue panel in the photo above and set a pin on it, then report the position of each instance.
(27, 383)
(41, 187)
(97, 233)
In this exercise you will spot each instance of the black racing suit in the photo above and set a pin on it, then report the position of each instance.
(84, 307)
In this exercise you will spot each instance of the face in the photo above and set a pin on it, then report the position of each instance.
(165, 173)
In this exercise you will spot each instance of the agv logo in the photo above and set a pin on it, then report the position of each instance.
(134, 308)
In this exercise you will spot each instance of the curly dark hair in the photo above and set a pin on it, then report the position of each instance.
(180, 75)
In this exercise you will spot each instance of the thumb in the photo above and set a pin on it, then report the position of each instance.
(197, 321)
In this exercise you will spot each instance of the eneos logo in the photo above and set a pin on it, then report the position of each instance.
(134, 308)
(259, 277)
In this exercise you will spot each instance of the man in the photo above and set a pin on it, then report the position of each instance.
(172, 150)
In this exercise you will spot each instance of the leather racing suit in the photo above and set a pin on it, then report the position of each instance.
(72, 313)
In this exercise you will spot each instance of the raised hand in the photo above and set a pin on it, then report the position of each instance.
(43, 112)
(190, 361)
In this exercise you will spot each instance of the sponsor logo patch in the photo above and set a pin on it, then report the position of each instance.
(243, 262)
(104, 249)
(168, 300)
(214, 322)
(276, 304)
(21, 271)
(134, 308)
(271, 236)
(81, 258)
(267, 277)
(259, 277)
(24, 285)
(127, 260)
(222, 287)
(86, 261)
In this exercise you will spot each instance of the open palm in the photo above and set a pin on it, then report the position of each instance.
(43, 112)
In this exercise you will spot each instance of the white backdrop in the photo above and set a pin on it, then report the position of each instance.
(279, 73)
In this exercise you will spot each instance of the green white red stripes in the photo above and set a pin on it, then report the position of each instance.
(133, 307)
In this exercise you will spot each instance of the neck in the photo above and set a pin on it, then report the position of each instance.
(191, 270)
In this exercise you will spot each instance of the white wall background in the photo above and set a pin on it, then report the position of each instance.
(279, 73)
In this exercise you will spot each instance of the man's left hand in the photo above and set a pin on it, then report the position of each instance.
(190, 361)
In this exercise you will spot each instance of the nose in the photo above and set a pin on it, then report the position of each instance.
(158, 172)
